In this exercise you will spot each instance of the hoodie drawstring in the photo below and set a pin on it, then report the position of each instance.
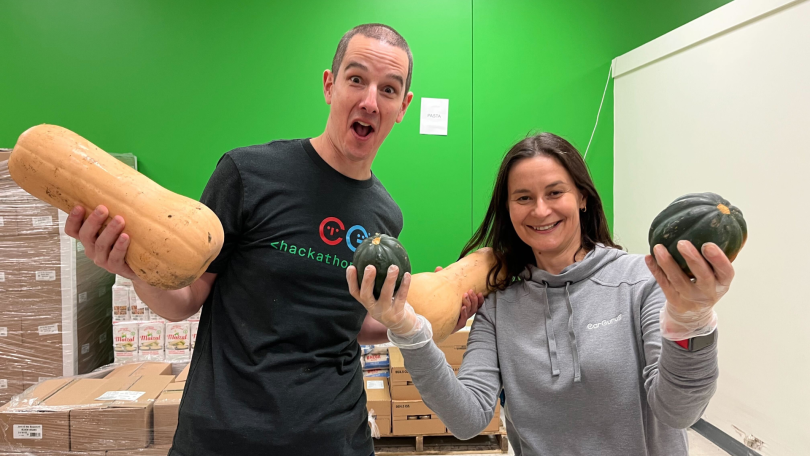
(552, 341)
(572, 337)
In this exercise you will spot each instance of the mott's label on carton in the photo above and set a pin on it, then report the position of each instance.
(125, 337)
(151, 336)
(4, 332)
(42, 221)
(178, 340)
(48, 329)
(27, 431)
(46, 276)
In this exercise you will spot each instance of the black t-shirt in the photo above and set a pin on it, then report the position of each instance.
(276, 366)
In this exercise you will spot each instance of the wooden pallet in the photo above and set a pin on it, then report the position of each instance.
(495, 442)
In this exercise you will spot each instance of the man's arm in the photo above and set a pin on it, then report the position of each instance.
(176, 305)
(372, 332)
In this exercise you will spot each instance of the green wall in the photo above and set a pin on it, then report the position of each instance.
(542, 65)
(180, 83)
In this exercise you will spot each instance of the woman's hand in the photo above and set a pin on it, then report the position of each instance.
(689, 310)
(392, 311)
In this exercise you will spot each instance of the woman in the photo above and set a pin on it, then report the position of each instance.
(573, 332)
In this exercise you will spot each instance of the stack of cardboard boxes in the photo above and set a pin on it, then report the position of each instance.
(55, 303)
(99, 414)
(408, 414)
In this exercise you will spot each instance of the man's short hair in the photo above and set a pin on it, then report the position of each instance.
(379, 32)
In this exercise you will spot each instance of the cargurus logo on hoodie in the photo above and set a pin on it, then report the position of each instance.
(605, 322)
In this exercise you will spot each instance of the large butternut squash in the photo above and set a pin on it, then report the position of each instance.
(437, 295)
(173, 238)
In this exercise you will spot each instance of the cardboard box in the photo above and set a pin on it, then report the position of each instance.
(183, 375)
(57, 453)
(37, 218)
(384, 426)
(460, 337)
(454, 354)
(117, 424)
(141, 369)
(39, 429)
(378, 400)
(11, 383)
(415, 418)
(10, 341)
(402, 387)
(151, 450)
(167, 410)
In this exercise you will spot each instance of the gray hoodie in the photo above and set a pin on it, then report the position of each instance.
(581, 361)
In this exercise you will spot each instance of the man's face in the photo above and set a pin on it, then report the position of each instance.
(367, 97)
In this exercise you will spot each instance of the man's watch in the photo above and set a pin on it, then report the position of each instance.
(697, 343)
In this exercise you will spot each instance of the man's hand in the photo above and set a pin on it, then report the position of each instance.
(689, 310)
(470, 303)
(108, 249)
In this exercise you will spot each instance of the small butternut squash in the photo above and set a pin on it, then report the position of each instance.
(173, 238)
(437, 295)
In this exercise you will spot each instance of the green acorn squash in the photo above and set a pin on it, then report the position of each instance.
(381, 251)
(699, 218)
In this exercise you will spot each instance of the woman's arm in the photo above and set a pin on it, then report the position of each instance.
(465, 404)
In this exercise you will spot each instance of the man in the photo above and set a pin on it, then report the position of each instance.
(276, 369)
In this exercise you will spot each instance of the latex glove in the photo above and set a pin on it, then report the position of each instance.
(470, 303)
(689, 310)
(392, 311)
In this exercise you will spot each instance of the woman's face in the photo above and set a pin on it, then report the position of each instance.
(544, 206)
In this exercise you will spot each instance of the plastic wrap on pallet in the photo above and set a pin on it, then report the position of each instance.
(118, 409)
(55, 303)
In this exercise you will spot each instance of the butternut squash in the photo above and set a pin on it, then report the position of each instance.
(437, 295)
(173, 238)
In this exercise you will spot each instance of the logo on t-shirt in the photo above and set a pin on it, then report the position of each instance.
(333, 232)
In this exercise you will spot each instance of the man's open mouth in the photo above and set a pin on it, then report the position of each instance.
(362, 129)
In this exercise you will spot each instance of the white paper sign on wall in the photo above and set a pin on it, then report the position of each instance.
(433, 118)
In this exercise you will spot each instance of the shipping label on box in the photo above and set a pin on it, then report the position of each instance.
(44, 330)
(45, 276)
(27, 431)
